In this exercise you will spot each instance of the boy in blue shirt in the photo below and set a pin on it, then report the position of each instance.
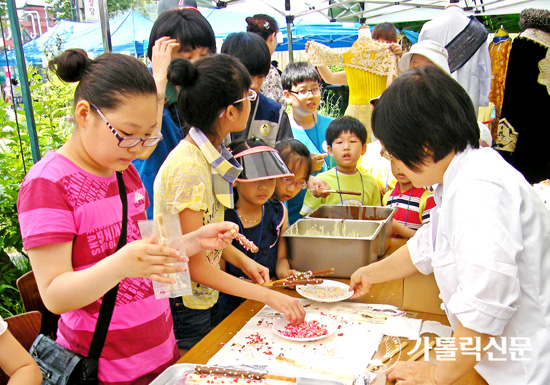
(302, 92)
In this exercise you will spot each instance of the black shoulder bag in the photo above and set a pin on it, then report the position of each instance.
(61, 366)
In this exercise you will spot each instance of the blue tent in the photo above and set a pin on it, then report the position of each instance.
(129, 34)
(333, 34)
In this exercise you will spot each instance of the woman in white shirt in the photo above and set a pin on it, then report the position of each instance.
(488, 242)
(15, 361)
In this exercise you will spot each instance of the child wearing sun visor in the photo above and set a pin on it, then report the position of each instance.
(262, 221)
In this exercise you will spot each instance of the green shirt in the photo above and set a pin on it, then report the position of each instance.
(359, 182)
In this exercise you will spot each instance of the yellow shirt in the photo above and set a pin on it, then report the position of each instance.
(184, 181)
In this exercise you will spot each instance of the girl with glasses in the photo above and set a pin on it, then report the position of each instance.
(70, 215)
(259, 219)
(196, 182)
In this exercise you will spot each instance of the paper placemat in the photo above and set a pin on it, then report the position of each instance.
(258, 346)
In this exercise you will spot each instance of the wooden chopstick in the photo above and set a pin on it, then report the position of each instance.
(420, 353)
(389, 355)
(342, 192)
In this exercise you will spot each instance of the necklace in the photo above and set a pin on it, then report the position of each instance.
(250, 221)
(362, 186)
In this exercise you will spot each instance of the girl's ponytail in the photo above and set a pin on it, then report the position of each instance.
(181, 72)
(71, 65)
(104, 80)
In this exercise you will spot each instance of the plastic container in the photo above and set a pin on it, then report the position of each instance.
(168, 233)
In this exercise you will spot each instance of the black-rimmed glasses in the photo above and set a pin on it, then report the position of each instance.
(303, 93)
(128, 141)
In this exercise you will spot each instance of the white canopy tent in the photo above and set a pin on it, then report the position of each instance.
(369, 12)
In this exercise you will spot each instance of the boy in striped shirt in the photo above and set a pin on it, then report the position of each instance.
(413, 204)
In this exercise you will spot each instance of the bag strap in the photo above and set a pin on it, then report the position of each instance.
(109, 299)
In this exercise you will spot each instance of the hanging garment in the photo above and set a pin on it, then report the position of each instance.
(526, 100)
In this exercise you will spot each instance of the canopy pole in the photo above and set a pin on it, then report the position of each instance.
(23, 79)
(105, 31)
(289, 21)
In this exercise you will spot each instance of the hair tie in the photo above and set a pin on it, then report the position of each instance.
(266, 24)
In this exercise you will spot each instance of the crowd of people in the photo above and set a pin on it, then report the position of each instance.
(229, 145)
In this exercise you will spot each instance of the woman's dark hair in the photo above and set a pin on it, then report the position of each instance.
(251, 50)
(424, 113)
(385, 31)
(104, 80)
(345, 124)
(293, 153)
(239, 146)
(299, 72)
(263, 25)
(188, 26)
(207, 87)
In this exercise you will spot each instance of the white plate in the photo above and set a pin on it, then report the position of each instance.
(304, 291)
(331, 326)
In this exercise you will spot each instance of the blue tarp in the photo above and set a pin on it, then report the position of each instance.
(335, 34)
(129, 34)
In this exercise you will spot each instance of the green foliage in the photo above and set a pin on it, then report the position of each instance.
(10, 301)
(330, 104)
(62, 8)
(52, 105)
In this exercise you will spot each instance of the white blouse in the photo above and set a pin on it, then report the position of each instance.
(488, 245)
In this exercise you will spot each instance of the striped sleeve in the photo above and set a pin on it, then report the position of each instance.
(45, 215)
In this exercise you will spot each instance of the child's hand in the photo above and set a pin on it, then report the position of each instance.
(317, 186)
(396, 49)
(253, 270)
(162, 56)
(292, 309)
(214, 236)
(145, 259)
(359, 283)
(317, 161)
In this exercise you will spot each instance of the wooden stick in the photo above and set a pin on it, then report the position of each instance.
(248, 374)
(342, 192)
(389, 355)
(421, 352)
(162, 231)
(300, 276)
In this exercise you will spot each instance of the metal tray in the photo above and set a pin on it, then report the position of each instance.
(360, 213)
(345, 245)
(173, 376)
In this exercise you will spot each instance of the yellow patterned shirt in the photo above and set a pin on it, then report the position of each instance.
(184, 181)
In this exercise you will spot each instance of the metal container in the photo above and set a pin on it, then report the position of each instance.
(345, 245)
(360, 213)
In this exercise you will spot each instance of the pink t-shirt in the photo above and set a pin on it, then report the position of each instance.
(59, 202)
